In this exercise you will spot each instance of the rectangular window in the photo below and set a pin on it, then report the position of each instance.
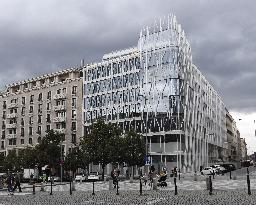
(22, 132)
(40, 97)
(23, 100)
(21, 141)
(39, 129)
(23, 111)
(30, 131)
(31, 109)
(74, 90)
(49, 95)
(74, 102)
(48, 118)
(31, 99)
(73, 128)
(39, 119)
(48, 128)
(73, 114)
(73, 140)
(30, 120)
(48, 106)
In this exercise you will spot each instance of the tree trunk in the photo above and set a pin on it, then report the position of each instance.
(103, 169)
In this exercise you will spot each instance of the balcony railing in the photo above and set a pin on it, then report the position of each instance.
(13, 115)
(59, 107)
(11, 136)
(59, 119)
(61, 131)
(12, 105)
(59, 96)
(10, 126)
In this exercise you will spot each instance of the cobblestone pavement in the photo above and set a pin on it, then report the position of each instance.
(225, 191)
(202, 197)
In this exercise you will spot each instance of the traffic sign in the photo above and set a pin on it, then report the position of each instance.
(148, 160)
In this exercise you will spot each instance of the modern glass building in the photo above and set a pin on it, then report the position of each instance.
(155, 89)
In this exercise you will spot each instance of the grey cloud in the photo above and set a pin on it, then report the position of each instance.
(38, 37)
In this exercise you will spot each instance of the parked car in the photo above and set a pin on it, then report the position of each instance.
(55, 179)
(93, 176)
(207, 171)
(218, 169)
(80, 177)
(228, 167)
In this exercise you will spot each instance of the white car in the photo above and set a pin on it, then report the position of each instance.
(93, 176)
(220, 168)
(207, 171)
(80, 177)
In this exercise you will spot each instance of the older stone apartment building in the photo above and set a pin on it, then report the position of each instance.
(31, 107)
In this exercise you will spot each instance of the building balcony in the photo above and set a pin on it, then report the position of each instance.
(59, 107)
(61, 130)
(59, 119)
(11, 136)
(10, 126)
(12, 105)
(13, 115)
(59, 96)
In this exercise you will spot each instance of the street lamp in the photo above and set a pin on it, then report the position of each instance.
(207, 147)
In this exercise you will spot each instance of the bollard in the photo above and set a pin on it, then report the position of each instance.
(230, 177)
(140, 186)
(51, 188)
(154, 184)
(210, 181)
(34, 188)
(117, 187)
(175, 186)
(42, 186)
(70, 187)
(179, 174)
(110, 184)
(248, 182)
(73, 186)
(93, 188)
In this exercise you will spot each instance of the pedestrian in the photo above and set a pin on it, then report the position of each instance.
(151, 175)
(114, 174)
(10, 181)
(17, 181)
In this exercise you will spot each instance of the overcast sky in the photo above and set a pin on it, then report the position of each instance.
(38, 37)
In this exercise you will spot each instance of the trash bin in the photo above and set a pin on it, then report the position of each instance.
(207, 183)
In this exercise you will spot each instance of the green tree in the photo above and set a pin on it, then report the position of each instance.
(49, 149)
(28, 157)
(101, 143)
(71, 160)
(134, 149)
(11, 161)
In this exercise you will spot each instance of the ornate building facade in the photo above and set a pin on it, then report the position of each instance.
(31, 107)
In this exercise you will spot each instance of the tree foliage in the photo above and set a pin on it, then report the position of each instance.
(101, 143)
(134, 149)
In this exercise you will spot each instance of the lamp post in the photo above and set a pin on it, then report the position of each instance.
(61, 160)
(207, 148)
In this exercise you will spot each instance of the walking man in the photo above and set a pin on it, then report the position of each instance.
(10, 182)
(17, 182)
